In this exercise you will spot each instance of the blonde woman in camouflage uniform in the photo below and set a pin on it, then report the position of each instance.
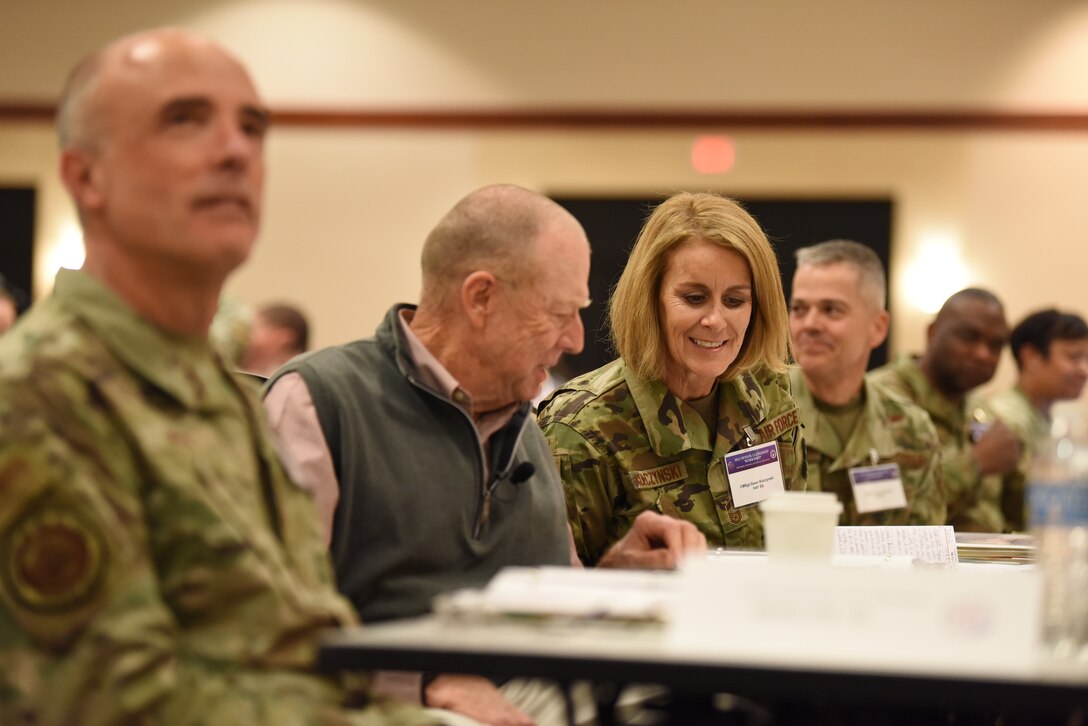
(699, 320)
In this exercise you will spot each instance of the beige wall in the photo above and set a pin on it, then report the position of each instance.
(347, 209)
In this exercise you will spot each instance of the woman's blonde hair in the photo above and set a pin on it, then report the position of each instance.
(634, 311)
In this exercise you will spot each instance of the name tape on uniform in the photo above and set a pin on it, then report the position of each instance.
(660, 476)
(776, 426)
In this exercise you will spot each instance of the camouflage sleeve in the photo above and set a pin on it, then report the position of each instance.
(929, 501)
(887, 379)
(974, 501)
(1012, 489)
(794, 459)
(84, 634)
(90, 639)
(589, 486)
(1013, 496)
(961, 476)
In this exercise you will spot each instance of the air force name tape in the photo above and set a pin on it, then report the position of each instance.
(660, 476)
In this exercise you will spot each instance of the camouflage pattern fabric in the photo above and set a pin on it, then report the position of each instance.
(973, 505)
(229, 334)
(893, 428)
(156, 563)
(624, 446)
(1027, 424)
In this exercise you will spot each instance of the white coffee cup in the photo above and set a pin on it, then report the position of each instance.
(800, 525)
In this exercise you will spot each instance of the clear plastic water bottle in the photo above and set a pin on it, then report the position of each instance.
(1057, 506)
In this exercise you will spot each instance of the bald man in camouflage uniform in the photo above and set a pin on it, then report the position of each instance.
(837, 317)
(964, 345)
(158, 564)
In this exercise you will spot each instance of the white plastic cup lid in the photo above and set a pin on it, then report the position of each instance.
(802, 502)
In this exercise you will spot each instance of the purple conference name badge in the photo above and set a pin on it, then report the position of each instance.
(754, 473)
(869, 474)
(748, 458)
(877, 488)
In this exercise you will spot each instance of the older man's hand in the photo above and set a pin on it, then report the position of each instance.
(655, 542)
(476, 698)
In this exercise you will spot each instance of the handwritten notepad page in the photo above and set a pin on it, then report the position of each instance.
(932, 545)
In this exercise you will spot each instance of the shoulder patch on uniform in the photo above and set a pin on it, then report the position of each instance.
(52, 561)
(779, 424)
(563, 403)
(662, 475)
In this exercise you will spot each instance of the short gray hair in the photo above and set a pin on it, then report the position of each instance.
(492, 228)
(72, 116)
(871, 278)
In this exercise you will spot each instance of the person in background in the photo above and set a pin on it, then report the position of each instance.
(963, 347)
(277, 334)
(878, 452)
(159, 566)
(9, 309)
(1051, 353)
(420, 444)
(700, 323)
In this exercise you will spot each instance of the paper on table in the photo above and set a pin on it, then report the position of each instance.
(1011, 549)
(932, 545)
(568, 592)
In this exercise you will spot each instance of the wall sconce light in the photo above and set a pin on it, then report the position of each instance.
(936, 272)
(68, 251)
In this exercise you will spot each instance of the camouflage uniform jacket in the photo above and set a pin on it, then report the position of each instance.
(1027, 424)
(624, 446)
(891, 430)
(158, 565)
(972, 504)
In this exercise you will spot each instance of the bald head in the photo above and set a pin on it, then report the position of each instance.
(964, 342)
(496, 228)
(81, 109)
(960, 303)
(162, 136)
(505, 278)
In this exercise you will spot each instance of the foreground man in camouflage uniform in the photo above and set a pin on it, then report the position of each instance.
(837, 317)
(1051, 353)
(699, 320)
(158, 565)
(963, 348)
